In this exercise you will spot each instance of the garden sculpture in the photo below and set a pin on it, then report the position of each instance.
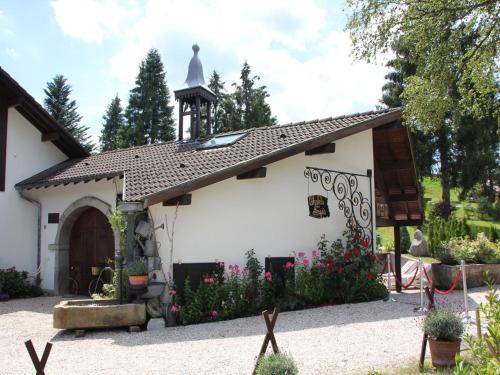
(418, 246)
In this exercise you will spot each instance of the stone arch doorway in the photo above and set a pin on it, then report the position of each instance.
(61, 246)
(90, 244)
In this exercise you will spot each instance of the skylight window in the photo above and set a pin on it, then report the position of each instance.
(221, 141)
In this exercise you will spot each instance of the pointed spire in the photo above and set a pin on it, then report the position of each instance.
(195, 71)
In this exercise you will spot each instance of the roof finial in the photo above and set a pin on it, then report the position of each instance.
(195, 71)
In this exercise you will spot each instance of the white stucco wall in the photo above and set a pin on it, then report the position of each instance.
(269, 215)
(26, 156)
(57, 200)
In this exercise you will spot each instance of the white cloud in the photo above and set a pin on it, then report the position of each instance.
(11, 52)
(302, 58)
(89, 20)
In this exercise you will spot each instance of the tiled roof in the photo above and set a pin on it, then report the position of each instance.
(11, 91)
(173, 168)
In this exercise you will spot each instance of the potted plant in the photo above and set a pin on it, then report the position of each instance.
(137, 273)
(445, 329)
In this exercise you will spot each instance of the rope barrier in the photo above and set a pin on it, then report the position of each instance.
(399, 281)
(444, 292)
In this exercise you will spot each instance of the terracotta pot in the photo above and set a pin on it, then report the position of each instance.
(443, 352)
(138, 280)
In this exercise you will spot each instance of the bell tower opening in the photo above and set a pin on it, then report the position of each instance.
(196, 100)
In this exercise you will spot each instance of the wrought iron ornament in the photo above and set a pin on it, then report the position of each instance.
(357, 208)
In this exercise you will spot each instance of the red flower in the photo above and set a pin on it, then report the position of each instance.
(356, 237)
(370, 276)
(374, 258)
(356, 251)
(365, 243)
(340, 270)
(289, 265)
(347, 255)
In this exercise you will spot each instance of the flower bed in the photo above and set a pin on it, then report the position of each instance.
(337, 272)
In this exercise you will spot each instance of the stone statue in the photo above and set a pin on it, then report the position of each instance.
(195, 70)
(418, 246)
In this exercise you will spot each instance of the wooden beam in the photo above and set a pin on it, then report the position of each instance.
(325, 149)
(256, 173)
(3, 144)
(403, 198)
(49, 137)
(15, 101)
(183, 200)
(395, 165)
(397, 255)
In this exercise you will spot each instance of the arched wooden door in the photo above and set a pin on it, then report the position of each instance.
(91, 243)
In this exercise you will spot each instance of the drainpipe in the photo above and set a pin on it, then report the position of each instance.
(39, 234)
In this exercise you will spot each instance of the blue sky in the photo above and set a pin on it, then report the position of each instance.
(298, 48)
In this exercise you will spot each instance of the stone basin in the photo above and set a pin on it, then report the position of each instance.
(89, 313)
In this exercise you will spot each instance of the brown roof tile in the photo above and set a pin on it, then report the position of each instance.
(159, 168)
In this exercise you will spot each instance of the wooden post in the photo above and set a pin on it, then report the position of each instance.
(181, 120)
(209, 119)
(269, 335)
(397, 255)
(39, 364)
(430, 296)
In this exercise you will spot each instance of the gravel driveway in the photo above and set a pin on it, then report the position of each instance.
(328, 340)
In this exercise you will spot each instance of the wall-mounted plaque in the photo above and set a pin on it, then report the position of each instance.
(318, 206)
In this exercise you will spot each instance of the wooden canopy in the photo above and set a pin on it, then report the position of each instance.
(397, 195)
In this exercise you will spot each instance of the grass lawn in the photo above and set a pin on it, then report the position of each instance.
(432, 191)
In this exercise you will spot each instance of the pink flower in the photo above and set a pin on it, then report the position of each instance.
(356, 251)
(244, 273)
(172, 292)
(318, 263)
(236, 269)
(215, 314)
(174, 308)
(302, 254)
(289, 265)
(269, 276)
(306, 262)
(314, 253)
(208, 280)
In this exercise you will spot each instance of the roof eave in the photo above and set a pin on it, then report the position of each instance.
(269, 158)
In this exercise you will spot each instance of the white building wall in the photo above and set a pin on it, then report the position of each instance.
(269, 215)
(26, 156)
(57, 200)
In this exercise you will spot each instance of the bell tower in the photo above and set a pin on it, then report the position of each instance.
(195, 97)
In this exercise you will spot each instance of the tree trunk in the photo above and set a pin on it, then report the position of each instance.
(444, 156)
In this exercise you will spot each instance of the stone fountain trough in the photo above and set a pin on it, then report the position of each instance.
(83, 314)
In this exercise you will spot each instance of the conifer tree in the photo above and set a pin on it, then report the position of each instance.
(216, 85)
(59, 104)
(149, 113)
(250, 102)
(114, 122)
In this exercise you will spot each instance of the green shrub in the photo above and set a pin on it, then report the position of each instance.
(484, 358)
(439, 230)
(276, 364)
(16, 285)
(481, 251)
(341, 271)
(443, 325)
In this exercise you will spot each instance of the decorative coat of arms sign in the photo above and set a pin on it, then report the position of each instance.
(318, 206)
